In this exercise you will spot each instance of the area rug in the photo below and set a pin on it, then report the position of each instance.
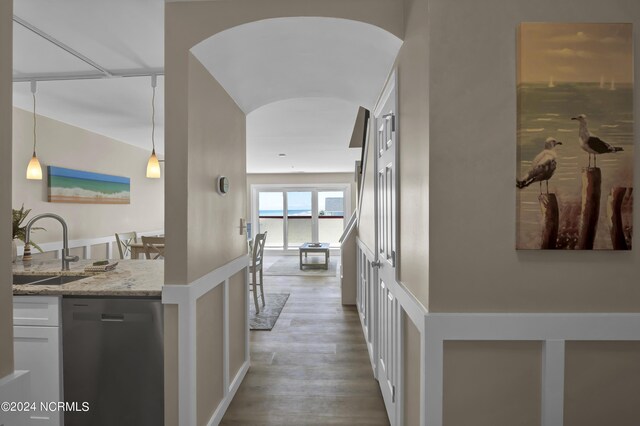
(268, 315)
(290, 265)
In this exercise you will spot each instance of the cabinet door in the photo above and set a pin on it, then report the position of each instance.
(37, 349)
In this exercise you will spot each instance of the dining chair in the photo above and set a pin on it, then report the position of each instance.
(124, 241)
(255, 268)
(153, 247)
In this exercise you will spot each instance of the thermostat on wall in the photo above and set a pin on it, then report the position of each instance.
(223, 185)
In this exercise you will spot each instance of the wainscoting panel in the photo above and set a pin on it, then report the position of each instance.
(380, 307)
(186, 296)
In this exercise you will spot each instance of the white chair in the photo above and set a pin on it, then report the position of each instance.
(256, 267)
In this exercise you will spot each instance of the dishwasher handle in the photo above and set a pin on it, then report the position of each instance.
(112, 317)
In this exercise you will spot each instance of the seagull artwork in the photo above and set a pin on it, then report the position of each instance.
(542, 167)
(593, 145)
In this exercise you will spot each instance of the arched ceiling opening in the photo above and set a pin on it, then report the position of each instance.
(282, 58)
(301, 81)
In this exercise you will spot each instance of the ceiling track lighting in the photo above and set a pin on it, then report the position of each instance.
(34, 170)
(153, 165)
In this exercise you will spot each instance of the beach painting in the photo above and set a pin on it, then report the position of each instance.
(75, 186)
(574, 181)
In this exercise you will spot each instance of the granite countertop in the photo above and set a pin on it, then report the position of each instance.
(132, 278)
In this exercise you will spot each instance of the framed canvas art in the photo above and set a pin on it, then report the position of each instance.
(75, 186)
(575, 136)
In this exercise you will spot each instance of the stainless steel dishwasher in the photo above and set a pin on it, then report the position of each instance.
(113, 359)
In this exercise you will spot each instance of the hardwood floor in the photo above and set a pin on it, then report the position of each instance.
(313, 367)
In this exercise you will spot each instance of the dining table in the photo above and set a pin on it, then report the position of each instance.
(138, 248)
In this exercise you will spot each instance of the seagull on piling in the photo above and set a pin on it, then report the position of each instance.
(592, 144)
(542, 167)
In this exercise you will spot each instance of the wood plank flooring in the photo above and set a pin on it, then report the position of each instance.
(313, 367)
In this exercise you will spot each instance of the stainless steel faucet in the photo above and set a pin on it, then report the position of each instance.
(66, 259)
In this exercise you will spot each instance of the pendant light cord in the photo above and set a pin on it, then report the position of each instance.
(34, 123)
(153, 119)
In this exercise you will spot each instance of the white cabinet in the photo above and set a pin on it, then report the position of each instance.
(38, 348)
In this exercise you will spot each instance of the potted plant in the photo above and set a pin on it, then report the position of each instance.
(20, 232)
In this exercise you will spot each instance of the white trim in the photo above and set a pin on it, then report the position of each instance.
(389, 86)
(552, 401)
(186, 297)
(410, 305)
(86, 243)
(310, 187)
(364, 169)
(15, 387)
(225, 334)
(553, 329)
(222, 408)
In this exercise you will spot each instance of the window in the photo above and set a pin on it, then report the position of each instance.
(294, 216)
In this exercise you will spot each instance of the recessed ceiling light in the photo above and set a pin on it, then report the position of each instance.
(282, 155)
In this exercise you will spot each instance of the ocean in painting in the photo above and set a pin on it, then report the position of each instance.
(545, 110)
(74, 186)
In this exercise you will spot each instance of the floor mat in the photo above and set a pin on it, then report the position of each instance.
(290, 265)
(266, 319)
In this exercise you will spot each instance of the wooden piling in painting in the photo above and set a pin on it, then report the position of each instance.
(591, 184)
(614, 213)
(550, 220)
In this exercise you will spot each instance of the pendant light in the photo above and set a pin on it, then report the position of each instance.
(153, 166)
(34, 170)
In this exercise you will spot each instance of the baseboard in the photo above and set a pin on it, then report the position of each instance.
(233, 388)
(15, 388)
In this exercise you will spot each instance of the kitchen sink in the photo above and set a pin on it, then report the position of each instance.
(45, 279)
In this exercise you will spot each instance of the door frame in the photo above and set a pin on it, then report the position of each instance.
(300, 187)
(390, 91)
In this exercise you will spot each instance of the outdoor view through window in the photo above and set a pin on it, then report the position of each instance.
(296, 217)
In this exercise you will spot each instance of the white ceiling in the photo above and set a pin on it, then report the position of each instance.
(314, 134)
(117, 108)
(120, 35)
(301, 80)
(275, 59)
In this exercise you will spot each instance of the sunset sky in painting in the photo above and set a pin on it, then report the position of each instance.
(575, 52)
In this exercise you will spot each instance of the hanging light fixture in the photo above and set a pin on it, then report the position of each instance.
(34, 170)
(153, 166)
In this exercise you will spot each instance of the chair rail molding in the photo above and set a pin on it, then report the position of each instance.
(552, 329)
(186, 297)
(87, 243)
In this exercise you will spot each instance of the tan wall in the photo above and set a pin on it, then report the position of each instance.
(602, 384)
(411, 376)
(473, 263)
(210, 17)
(492, 383)
(6, 95)
(62, 145)
(205, 137)
(413, 122)
(216, 147)
(209, 353)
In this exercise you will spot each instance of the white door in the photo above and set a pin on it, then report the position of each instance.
(389, 312)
